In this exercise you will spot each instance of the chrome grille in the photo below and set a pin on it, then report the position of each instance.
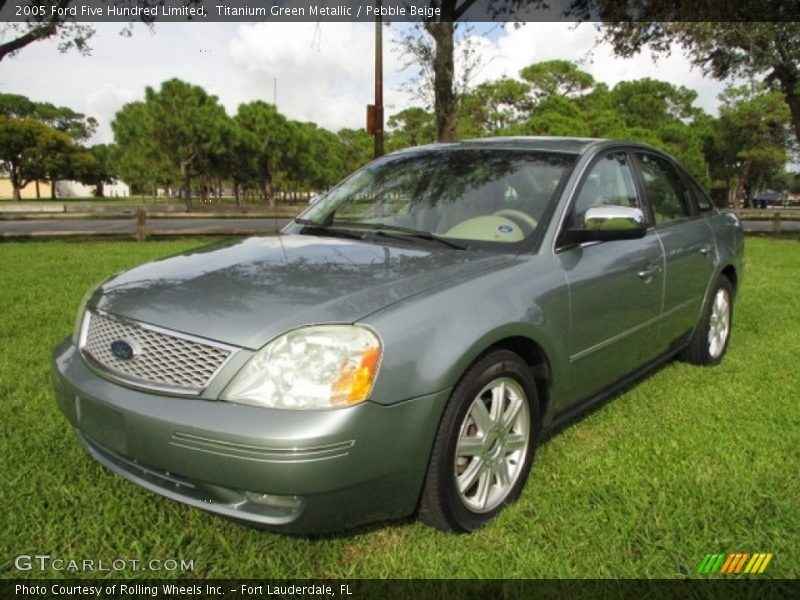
(161, 359)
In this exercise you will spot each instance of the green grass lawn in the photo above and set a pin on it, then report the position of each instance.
(690, 461)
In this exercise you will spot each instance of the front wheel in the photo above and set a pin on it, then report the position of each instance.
(710, 340)
(483, 450)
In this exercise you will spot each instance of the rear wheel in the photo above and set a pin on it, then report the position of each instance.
(710, 340)
(483, 450)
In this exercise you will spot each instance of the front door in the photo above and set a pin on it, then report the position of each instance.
(615, 287)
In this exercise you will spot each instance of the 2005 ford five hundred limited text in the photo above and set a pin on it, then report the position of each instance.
(404, 344)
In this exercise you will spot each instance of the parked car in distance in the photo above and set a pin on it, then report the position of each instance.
(402, 347)
(769, 198)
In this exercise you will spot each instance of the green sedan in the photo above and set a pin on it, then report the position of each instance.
(405, 343)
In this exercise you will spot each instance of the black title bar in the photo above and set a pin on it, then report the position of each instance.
(397, 10)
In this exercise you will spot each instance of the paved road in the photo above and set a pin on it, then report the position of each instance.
(789, 226)
(67, 227)
(52, 227)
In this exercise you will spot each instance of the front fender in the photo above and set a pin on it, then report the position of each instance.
(430, 340)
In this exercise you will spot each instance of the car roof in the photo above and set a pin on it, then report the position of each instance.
(570, 145)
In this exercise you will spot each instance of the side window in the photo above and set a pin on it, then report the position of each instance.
(664, 188)
(609, 182)
(700, 197)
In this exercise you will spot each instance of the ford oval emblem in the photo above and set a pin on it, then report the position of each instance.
(122, 350)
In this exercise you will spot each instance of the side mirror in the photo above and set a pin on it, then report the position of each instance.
(607, 223)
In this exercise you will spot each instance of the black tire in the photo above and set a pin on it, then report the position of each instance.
(703, 349)
(494, 455)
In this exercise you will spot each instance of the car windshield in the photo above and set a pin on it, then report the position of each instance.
(456, 197)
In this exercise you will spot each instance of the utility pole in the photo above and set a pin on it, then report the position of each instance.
(379, 83)
(375, 111)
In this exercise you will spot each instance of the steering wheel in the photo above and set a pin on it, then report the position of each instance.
(518, 217)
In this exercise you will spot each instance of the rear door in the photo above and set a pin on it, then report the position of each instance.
(687, 240)
(615, 287)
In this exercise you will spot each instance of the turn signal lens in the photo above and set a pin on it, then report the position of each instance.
(354, 384)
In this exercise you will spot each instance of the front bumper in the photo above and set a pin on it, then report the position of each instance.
(334, 468)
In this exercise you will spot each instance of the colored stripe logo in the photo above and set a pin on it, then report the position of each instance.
(735, 563)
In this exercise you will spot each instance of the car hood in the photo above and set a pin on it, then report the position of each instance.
(246, 293)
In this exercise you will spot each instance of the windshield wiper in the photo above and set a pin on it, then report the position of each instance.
(387, 229)
(308, 223)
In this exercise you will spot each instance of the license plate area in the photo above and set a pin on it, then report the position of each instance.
(102, 424)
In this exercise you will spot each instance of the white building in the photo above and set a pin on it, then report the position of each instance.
(75, 189)
(116, 189)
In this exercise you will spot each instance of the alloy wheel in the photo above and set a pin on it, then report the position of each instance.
(719, 323)
(492, 444)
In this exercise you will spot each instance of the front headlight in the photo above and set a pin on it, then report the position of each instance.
(315, 367)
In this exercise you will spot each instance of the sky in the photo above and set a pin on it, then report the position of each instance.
(316, 72)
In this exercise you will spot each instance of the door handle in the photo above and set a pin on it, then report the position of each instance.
(705, 250)
(648, 272)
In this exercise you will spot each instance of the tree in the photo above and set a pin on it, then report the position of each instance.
(413, 126)
(77, 125)
(438, 58)
(647, 100)
(53, 23)
(56, 22)
(493, 106)
(140, 161)
(357, 148)
(750, 139)
(30, 150)
(179, 128)
(235, 159)
(443, 66)
(437, 83)
(560, 99)
(50, 151)
(96, 166)
(269, 140)
(557, 78)
(316, 163)
(555, 115)
(763, 50)
(16, 105)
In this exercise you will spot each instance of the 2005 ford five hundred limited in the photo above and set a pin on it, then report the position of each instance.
(404, 344)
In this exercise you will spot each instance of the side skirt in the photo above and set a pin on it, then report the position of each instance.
(582, 408)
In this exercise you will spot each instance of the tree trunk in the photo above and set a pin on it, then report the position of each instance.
(443, 73)
(186, 184)
(741, 185)
(187, 192)
(786, 72)
(17, 182)
(52, 189)
(790, 86)
(204, 190)
(269, 168)
(38, 191)
(266, 192)
(237, 194)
